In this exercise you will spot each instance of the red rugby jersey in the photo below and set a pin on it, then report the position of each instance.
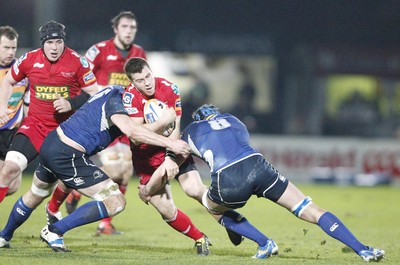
(147, 155)
(108, 64)
(48, 80)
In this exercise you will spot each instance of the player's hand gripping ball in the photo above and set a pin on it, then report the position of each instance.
(153, 110)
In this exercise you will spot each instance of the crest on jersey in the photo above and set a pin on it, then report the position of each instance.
(84, 62)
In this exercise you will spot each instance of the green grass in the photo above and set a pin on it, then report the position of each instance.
(371, 213)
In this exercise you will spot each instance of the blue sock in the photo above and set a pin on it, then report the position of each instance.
(19, 214)
(238, 223)
(88, 213)
(336, 229)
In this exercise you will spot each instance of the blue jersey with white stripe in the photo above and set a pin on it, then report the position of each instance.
(90, 126)
(221, 141)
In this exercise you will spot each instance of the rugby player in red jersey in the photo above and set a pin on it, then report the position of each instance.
(148, 160)
(57, 76)
(107, 60)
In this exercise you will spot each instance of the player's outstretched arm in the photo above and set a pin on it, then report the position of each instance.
(138, 133)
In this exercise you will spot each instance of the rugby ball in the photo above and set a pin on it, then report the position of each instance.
(153, 110)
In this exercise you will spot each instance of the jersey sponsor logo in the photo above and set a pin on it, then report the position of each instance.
(127, 99)
(175, 89)
(67, 74)
(38, 65)
(92, 53)
(111, 57)
(178, 104)
(51, 93)
(333, 227)
(79, 181)
(89, 77)
(84, 62)
(120, 79)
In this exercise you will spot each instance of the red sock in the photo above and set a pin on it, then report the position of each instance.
(106, 220)
(57, 199)
(3, 193)
(123, 188)
(183, 224)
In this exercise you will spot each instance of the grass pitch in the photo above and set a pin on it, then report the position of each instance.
(372, 214)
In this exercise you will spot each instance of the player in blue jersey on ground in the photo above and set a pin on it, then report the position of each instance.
(238, 172)
(65, 156)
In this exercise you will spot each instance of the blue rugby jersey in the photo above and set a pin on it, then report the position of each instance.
(90, 126)
(221, 141)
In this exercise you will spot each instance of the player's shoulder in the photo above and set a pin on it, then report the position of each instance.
(105, 43)
(72, 57)
(99, 48)
(166, 86)
(33, 54)
(131, 96)
(30, 59)
(131, 90)
(138, 49)
(102, 45)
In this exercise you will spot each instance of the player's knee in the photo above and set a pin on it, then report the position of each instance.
(204, 201)
(15, 162)
(300, 207)
(112, 197)
(115, 204)
(43, 191)
(192, 185)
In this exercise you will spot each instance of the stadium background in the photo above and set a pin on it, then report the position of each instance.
(325, 74)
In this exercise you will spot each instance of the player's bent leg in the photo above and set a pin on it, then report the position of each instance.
(239, 225)
(303, 207)
(14, 164)
(192, 184)
(163, 202)
(117, 163)
(107, 201)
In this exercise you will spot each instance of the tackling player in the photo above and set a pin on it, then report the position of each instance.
(57, 76)
(107, 60)
(238, 172)
(65, 156)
